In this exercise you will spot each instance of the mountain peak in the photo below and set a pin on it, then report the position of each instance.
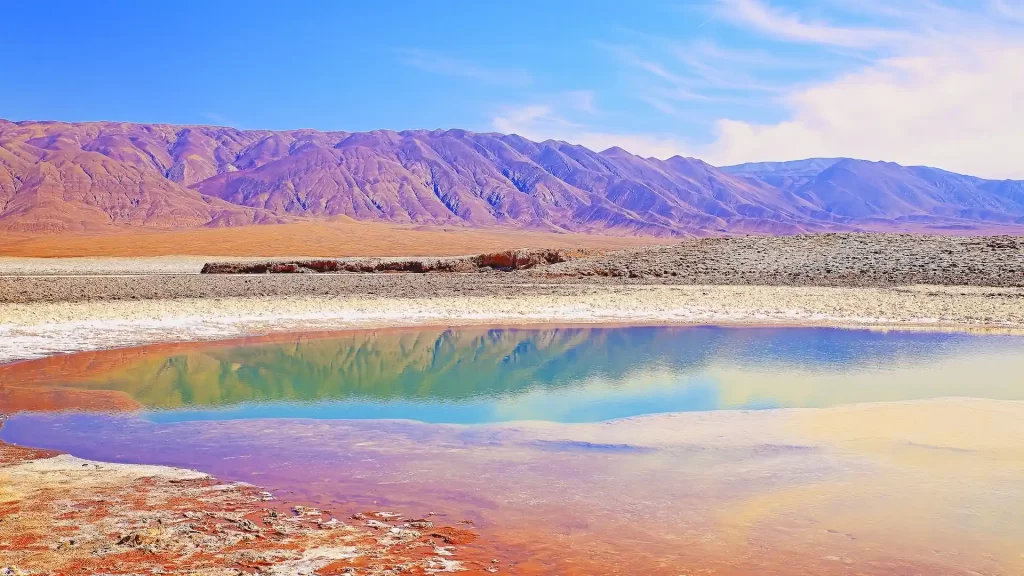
(615, 151)
(88, 176)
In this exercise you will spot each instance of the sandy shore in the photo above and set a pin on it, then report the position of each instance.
(39, 328)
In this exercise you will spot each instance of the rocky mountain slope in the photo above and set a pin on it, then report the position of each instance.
(86, 176)
(862, 191)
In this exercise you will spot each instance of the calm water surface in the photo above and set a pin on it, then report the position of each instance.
(344, 420)
(561, 375)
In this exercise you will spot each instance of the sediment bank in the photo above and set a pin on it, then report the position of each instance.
(65, 515)
(29, 330)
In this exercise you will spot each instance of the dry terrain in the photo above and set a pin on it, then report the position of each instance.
(841, 260)
(64, 515)
(970, 283)
(327, 239)
(817, 260)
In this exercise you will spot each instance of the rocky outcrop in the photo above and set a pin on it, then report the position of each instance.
(507, 260)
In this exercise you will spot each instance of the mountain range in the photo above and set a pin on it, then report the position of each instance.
(86, 177)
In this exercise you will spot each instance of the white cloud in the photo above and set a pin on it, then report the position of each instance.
(1010, 9)
(957, 107)
(936, 85)
(541, 122)
(441, 64)
(791, 27)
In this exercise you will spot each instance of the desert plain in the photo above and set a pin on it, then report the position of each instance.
(109, 296)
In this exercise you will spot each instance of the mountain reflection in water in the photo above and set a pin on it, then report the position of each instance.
(562, 374)
(933, 487)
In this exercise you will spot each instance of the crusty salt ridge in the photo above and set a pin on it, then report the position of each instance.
(64, 468)
(38, 329)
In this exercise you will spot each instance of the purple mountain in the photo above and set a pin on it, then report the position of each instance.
(88, 176)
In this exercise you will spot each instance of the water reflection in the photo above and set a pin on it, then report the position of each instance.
(729, 492)
(558, 374)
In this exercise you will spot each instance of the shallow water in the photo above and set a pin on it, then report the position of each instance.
(868, 484)
(559, 374)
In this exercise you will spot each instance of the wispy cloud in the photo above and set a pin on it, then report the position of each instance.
(542, 122)
(790, 26)
(581, 100)
(672, 77)
(1010, 9)
(917, 82)
(219, 119)
(557, 118)
(437, 63)
(945, 91)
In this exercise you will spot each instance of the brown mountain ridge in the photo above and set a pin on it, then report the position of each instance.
(84, 177)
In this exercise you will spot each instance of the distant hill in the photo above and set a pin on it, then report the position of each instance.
(57, 177)
(859, 191)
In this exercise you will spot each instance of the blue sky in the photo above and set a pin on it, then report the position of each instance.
(913, 81)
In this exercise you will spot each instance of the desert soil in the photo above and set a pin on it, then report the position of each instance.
(835, 280)
(343, 237)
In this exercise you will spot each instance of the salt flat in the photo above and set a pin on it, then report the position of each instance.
(33, 329)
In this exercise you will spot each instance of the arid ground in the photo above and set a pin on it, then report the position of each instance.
(341, 237)
(57, 515)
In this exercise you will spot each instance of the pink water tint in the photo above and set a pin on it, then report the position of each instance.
(559, 506)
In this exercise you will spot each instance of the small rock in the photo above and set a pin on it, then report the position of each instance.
(247, 525)
(332, 523)
(306, 511)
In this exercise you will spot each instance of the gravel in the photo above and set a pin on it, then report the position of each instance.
(843, 260)
(817, 260)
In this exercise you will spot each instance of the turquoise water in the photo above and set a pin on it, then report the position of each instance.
(358, 421)
(574, 374)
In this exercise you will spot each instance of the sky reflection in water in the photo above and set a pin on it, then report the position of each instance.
(809, 486)
(560, 374)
